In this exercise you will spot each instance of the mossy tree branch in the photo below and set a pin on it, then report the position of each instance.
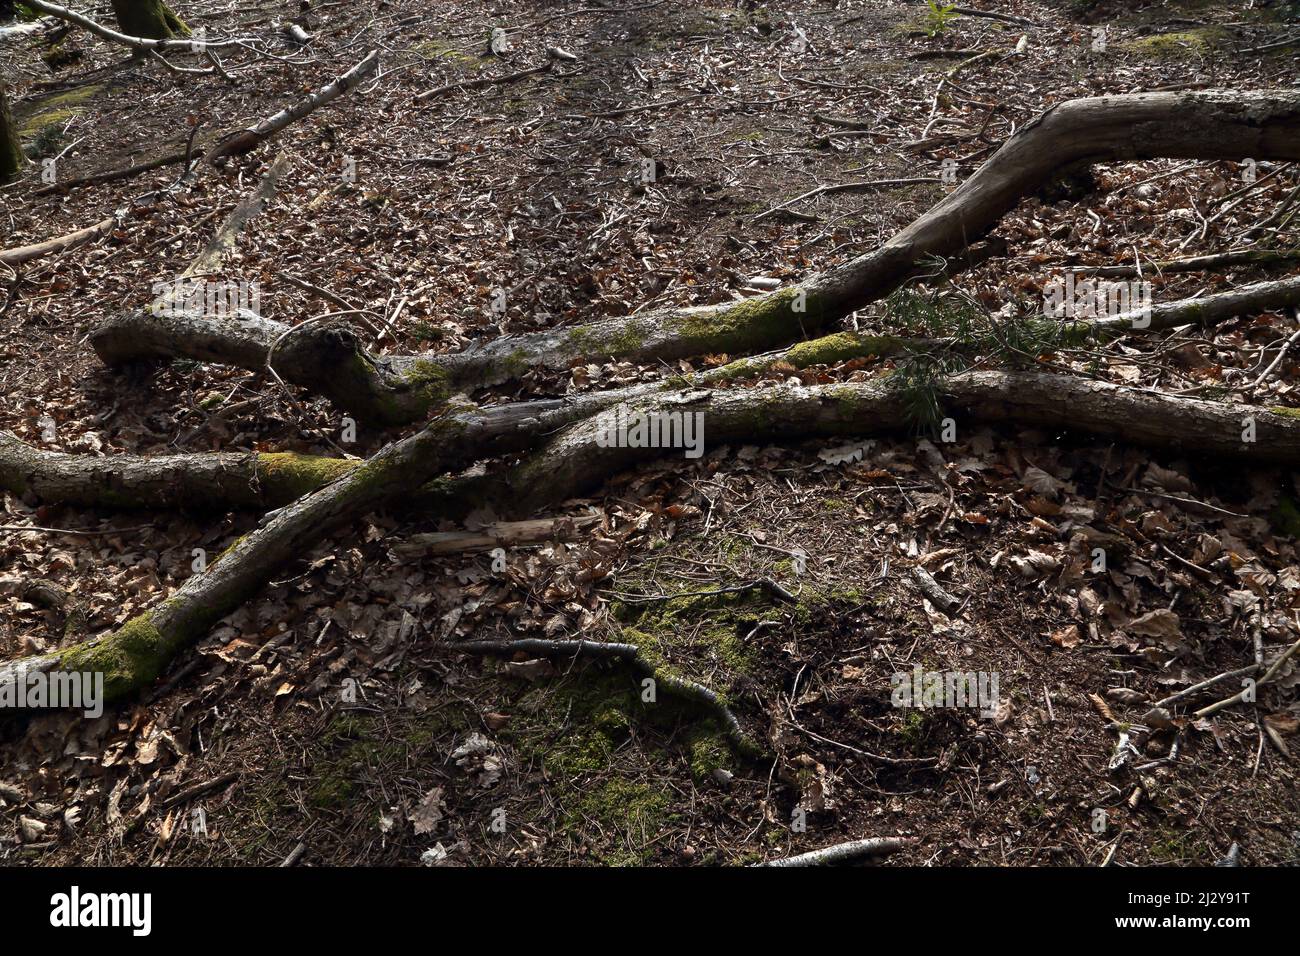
(576, 458)
(392, 390)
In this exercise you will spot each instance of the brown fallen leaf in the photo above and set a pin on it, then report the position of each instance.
(429, 812)
(1067, 637)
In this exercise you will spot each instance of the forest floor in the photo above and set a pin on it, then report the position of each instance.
(452, 759)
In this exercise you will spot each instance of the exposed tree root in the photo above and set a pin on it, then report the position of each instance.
(664, 679)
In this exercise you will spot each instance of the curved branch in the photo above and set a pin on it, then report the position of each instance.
(1213, 124)
(139, 44)
(1200, 125)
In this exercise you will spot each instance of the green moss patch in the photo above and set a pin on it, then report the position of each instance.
(442, 50)
(286, 476)
(55, 111)
(1198, 42)
(129, 658)
(592, 736)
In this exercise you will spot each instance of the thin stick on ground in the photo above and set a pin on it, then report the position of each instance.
(1241, 696)
(843, 853)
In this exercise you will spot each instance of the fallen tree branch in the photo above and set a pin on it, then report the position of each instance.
(118, 175)
(864, 186)
(258, 480)
(13, 257)
(767, 585)
(396, 389)
(499, 534)
(483, 81)
(1184, 125)
(138, 44)
(1081, 405)
(1239, 697)
(581, 456)
(251, 206)
(933, 592)
(1202, 685)
(1233, 257)
(241, 141)
(846, 852)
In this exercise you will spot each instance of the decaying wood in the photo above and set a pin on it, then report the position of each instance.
(934, 593)
(395, 389)
(196, 481)
(576, 458)
(222, 244)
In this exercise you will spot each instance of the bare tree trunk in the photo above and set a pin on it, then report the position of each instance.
(11, 154)
(151, 19)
